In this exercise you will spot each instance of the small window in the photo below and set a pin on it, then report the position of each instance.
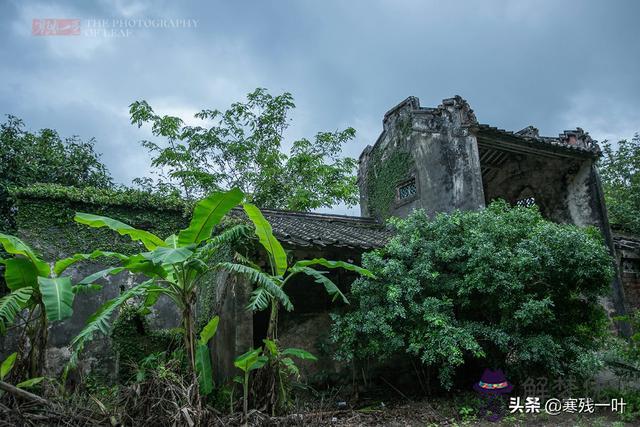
(526, 199)
(526, 202)
(407, 189)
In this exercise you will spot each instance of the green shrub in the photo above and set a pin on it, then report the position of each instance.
(135, 342)
(501, 286)
(631, 398)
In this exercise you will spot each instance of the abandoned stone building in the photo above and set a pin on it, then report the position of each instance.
(441, 159)
(437, 159)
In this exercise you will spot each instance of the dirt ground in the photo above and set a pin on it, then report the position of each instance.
(425, 414)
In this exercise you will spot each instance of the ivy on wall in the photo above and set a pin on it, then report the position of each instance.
(44, 217)
(134, 340)
(382, 177)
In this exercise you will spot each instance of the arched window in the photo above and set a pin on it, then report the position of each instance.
(526, 198)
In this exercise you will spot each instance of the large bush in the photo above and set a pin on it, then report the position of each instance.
(502, 286)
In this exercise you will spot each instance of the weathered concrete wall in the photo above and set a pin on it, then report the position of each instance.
(443, 155)
(223, 294)
(309, 326)
(47, 225)
(628, 256)
(559, 186)
(235, 330)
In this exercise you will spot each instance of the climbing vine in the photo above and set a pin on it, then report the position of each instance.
(134, 340)
(382, 177)
(44, 214)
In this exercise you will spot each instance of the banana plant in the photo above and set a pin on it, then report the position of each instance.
(247, 362)
(174, 266)
(203, 358)
(269, 292)
(285, 368)
(44, 294)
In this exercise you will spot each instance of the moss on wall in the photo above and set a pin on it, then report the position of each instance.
(133, 340)
(44, 217)
(382, 177)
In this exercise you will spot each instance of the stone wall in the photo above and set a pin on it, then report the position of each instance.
(44, 220)
(431, 148)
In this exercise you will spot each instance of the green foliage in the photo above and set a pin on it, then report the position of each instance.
(275, 251)
(247, 362)
(203, 358)
(623, 356)
(14, 246)
(31, 382)
(12, 304)
(40, 296)
(620, 170)
(126, 197)
(382, 178)
(61, 265)
(631, 397)
(230, 236)
(502, 285)
(27, 276)
(150, 240)
(57, 297)
(270, 294)
(19, 273)
(208, 213)
(175, 266)
(135, 341)
(44, 157)
(281, 361)
(98, 322)
(7, 365)
(242, 148)
(47, 212)
(209, 331)
(269, 291)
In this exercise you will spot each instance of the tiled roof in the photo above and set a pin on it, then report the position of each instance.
(310, 229)
(574, 141)
(624, 241)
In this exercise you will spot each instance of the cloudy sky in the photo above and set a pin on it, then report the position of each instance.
(553, 64)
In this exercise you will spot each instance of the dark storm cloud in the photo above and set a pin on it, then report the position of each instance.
(553, 64)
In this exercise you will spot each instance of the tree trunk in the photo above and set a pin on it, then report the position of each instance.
(272, 330)
(38, 337)
(264, 390)
(189, 335)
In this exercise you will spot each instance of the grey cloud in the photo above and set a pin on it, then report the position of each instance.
(552, 64)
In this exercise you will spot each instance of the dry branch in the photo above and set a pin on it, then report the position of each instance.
(23, 394)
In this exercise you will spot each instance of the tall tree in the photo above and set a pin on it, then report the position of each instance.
(242, 148)
(44, 157)
(620, 169)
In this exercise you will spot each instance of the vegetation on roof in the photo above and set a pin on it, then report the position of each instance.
(119, 196)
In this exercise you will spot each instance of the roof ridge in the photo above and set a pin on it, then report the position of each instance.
(318, 215)
(587, 146)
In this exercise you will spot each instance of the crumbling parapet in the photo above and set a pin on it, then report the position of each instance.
(441, 171)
